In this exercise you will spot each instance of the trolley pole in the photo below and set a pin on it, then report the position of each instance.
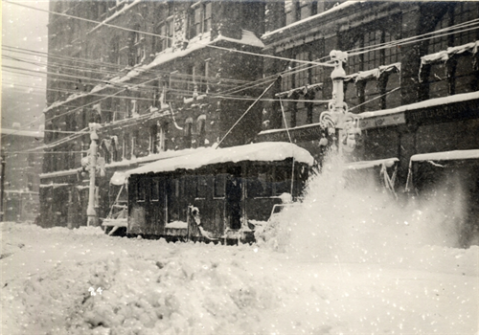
(91, 213)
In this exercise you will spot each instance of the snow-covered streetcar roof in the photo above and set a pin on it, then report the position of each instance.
(388, 162)
(447, 155)
(258, 152)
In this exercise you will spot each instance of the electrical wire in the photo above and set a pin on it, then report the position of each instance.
(158, 35)
(231, 50)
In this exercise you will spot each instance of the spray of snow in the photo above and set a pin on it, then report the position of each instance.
(338, 223)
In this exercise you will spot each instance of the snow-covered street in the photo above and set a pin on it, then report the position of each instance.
(153, 287)
(341, 262)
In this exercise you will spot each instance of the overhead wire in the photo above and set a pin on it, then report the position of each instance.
(231, 50)
(183, 79)
(153, 34)
(132, 30)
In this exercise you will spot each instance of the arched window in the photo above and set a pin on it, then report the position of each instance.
(137, 51)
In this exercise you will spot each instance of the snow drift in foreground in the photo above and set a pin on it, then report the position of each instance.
(348, 263)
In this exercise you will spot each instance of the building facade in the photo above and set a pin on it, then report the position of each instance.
(21, 167)
(411, 74)
(162, 77)
(158, 76)
(410, 87)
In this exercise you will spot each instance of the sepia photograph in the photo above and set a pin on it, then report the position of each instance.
(250, 167)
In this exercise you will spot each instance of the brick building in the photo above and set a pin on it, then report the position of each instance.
(177, 75)
(157, 75)
(420, 95)
(411, 86)
(22, 167)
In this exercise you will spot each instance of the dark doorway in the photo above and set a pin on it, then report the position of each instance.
(234, 196)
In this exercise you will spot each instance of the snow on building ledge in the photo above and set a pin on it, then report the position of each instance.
(445, 55)
(279, 31)
(374, 73)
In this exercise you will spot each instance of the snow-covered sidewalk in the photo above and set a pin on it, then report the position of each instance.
(153, 287)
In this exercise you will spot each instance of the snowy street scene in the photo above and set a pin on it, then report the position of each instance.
(224, 167)
(365, 267)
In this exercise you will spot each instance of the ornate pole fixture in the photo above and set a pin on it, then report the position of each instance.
(337, 117)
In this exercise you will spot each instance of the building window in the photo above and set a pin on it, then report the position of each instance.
(201, 127)
(133, 146)
(188, 132)
(440, 43)
(289, 11)
(359, 39)
(157, 138)
(296, 10)
(200, 19)
(135, 109)
(115, 50)
(137, 50)
(464, 12)
(166, 32)
(124, 145)
(303, 78)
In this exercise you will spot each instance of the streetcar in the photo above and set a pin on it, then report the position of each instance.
(215, 194)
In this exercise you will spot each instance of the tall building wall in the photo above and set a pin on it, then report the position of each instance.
(157, 76)
(380, 76)
(23, 165)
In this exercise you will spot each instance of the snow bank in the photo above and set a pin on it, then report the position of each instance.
(146, 287)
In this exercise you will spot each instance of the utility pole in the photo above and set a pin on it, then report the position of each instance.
(337, 118)
(91, 213)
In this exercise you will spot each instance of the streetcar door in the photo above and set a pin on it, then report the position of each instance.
(234, 197)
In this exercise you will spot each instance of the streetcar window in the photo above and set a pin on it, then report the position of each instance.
(201, 187)
(260, 183)
(141, 189)
(155, 190)
(220, 182)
